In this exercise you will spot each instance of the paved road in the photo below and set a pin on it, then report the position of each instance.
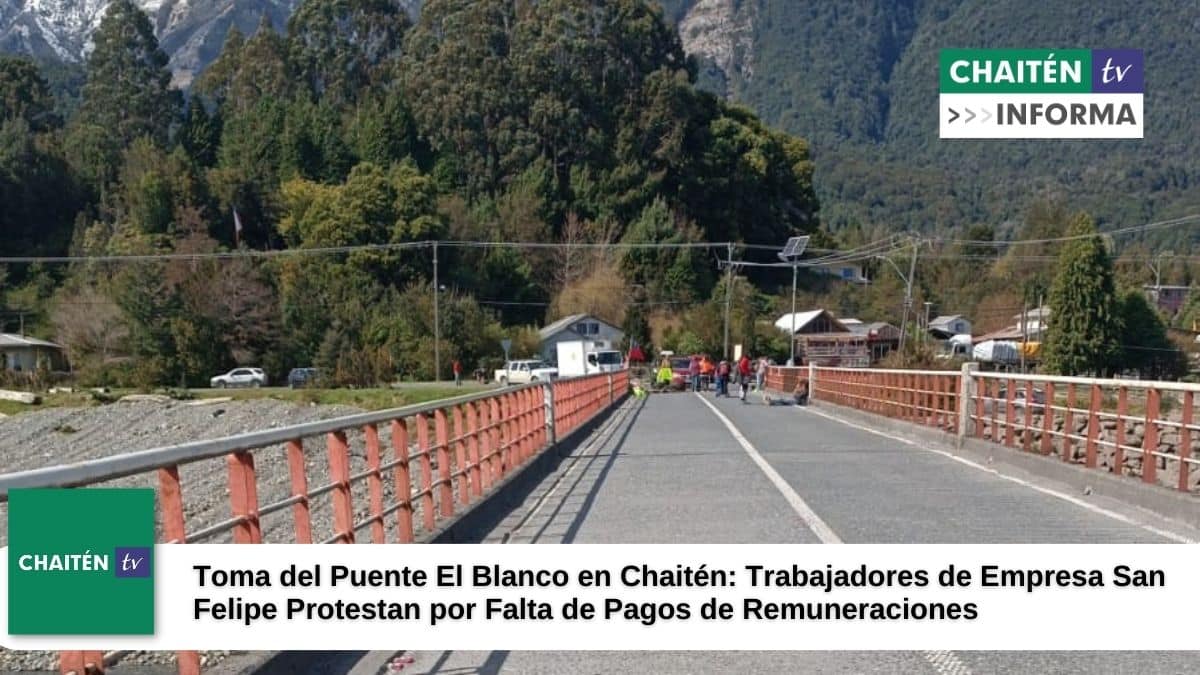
(671, 469)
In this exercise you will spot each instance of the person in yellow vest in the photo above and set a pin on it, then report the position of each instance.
(662, 380)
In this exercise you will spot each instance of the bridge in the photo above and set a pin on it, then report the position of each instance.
(877, 456)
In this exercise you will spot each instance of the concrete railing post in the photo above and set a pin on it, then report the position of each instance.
(548, 405)
(812, 381)
(966, 392)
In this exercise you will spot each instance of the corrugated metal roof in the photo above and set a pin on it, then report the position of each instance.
(802, 318)
(13, 340)
(944, 319)
(569, 321)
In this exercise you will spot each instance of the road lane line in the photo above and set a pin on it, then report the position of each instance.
(944, 662)
(810, 517)
(1013, 479)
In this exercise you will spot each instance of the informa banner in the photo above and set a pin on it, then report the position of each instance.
(1041, 93)
(611, 597)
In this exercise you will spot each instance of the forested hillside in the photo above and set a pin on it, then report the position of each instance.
(859, 80)
(568, 120)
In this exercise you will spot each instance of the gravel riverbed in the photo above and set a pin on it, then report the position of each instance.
(58, 436)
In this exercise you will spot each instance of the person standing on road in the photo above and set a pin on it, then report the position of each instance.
(723, 372)
(743, 368)
(662, 380)
(707, 371)
(457, 368)
(760, 374)
(694, 373)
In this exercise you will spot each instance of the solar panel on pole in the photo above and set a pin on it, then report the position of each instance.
(794, 248)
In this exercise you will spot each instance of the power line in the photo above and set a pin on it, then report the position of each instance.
(1183, 220)
(213, 255)
(830, 257)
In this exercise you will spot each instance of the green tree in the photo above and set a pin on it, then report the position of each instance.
(38, 194)
(666, 274)
(128, 90)
(200, 133)
(248, 71)
(637, 330)
(338, 48)
(25, 95)
(1145, 347)
(1084, 335)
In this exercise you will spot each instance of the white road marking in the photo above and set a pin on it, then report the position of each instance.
(946, 663)
(1013, 479)
(810, 517)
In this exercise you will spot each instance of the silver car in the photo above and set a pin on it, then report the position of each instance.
(240, 377)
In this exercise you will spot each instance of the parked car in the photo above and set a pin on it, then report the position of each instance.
(522, 372)
(303, 377)
(680, 372)
(240, 377)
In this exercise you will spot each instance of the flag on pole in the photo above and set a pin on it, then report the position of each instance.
(237, 228)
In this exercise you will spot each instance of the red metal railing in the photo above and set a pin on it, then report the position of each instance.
(926, 397)
(1134, 428)
(461, 448)
(785, 378)
(578, 400)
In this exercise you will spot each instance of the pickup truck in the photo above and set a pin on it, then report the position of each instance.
(522, 372)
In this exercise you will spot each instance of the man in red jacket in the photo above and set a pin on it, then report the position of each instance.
(744, 372)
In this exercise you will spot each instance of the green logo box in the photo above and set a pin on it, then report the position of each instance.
(81, 562)
(1015, 71)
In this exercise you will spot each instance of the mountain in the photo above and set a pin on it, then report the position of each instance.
(859, 80)
(190, 31)
(855, 77)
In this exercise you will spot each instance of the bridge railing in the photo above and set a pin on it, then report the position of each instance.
(420, 466)
(1137, 428)
(926, 397)
(1127, 427)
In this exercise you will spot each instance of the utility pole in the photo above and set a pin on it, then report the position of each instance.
(925, 327)
(1024, 331)
(795, 271)
(437, 324)
(912, 272)
(791, 254)
(728, 291)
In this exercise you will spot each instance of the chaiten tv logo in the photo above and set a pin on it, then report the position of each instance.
(81, 562)
(1041, 93)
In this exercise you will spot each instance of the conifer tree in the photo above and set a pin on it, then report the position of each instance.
(1144, 343)
(24, 94)
(200, 134)
(1084, 335)
(128, 90)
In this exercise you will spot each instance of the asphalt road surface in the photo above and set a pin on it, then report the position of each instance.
(673, 469)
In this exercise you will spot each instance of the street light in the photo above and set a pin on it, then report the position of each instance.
(791, 254)
(912, 272)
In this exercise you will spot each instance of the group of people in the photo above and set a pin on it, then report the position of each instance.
(702, 370)
(703, 373)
